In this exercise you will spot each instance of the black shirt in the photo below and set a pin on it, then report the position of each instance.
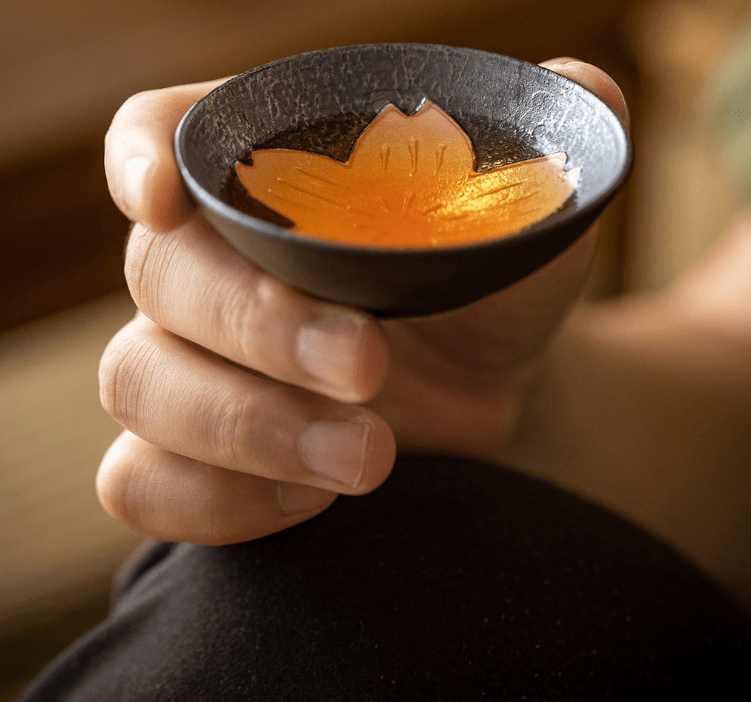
(456, 580)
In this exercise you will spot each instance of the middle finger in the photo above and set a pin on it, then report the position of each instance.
(193, 283)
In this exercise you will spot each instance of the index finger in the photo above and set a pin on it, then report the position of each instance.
(139, 156)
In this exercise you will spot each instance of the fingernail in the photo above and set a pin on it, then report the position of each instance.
(294, 498)
(327, 349)
(135, 175)
(335, 450)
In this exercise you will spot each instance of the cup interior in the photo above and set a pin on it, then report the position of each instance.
(321, 101)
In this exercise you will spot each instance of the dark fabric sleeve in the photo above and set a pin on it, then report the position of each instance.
(454, 581)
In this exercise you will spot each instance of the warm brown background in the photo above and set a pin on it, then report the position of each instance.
(64, 70)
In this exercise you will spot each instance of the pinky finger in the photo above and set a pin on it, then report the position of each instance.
(169, 497)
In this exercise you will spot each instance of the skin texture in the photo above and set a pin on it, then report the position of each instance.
(248, 406)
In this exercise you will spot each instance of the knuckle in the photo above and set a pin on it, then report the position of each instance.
(147, 260)
(137, 259)
(135, 105)
(234, 432)
(120, 119)
(112, 482)
(120, 482)
(260, 318)
(137, 99)
(124, 374)
(124, 120)
(245, 311)
(131, 133)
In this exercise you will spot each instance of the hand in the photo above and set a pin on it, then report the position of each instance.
(248, 406)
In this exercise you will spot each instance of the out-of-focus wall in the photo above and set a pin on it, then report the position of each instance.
(682, 198)
(66, 67)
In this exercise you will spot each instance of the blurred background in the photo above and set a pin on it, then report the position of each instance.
(65, 67)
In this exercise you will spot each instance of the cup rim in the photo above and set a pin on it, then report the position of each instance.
(267, 229)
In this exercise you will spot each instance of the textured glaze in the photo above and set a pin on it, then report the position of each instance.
(504, 105)
(408, 182)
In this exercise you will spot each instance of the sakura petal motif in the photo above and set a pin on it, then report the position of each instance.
(409, 181)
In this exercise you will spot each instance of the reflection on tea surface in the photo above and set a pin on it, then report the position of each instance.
(408, 181)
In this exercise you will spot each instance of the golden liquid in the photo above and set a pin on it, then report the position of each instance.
(409, 182)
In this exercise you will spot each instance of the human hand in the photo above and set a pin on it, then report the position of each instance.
(458, 381)
(244, 400)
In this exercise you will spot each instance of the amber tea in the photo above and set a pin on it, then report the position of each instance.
(408, 181)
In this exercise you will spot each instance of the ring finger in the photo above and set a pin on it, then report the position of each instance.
(192, 282)
(174, 498)
(188, 401)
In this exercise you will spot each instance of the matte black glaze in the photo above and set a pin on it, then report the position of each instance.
(522, 103)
